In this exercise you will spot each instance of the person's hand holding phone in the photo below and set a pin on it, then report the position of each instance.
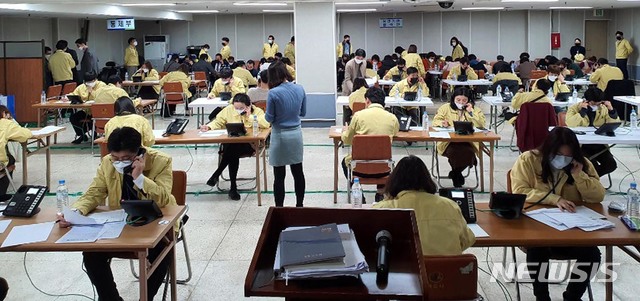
(608, 105)
(576, 168)
(584, 105)
(247, 110)
(138, 166)
(469, 107)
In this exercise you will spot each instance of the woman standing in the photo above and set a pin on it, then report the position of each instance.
(286, 103)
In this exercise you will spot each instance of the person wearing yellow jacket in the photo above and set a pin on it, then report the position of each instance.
(458, 51)
(290, 51)
(537, 95)
(112, 91)
(374, 120)
(182, 76)
(289, 66)
(360, 88)
(81, 119)
(463, 68)
(148, 73)
(412, 83)
(125, 110)
(505, 74)
(270, 48)
(150, 179)
(131, 60)
(9, 131)
(60, 64)
(604, 73)
(595, 111)
(344, 47)
(225, 51)
(460, 154)
(242, 73)
(557, 174)
(413, 59)
(227, 83)
(398, 70)
(554, 75)
(205, 50)
(240, 111)
(623, 50)
(441, 226)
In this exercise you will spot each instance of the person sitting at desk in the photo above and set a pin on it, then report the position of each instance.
(359, 90)
(288, 65)
(126, 116)
(227, 83)
(537, 95)
(413, 83)
(397, 70)
(81, 119)
(240, 111)
(557, 174)
(148, 74)
(595, 111)
(463, 68)
(374, 120)
(461, 155)
(150, 179)
(370, 73)
(173, 64)
(9, 131)
(242, 73)
(604, 73)
(506, 74)
(181, 76)
(260, 92)
(112, 91)
(441, 226)
(556, 78)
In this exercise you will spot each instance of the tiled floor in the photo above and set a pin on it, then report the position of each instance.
(222, 234)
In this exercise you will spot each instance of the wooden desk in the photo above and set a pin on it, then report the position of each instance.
(335, 133)
(192, 137)
(136, 240)
(407, 271)
(527, 232)
(42, 143)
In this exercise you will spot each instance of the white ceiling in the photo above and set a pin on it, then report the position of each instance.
(383, 6)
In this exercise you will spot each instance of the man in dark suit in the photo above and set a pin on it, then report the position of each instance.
(498, 65)
(218, 64)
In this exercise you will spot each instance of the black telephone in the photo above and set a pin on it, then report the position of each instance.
(464, 199)
(26, 200)
(405, 123)
(176, 127)
(127, 170)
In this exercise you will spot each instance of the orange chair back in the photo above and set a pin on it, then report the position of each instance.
(371, 147)
(179, 188)
(509, 181)
(53, 92)
(261, 104)
(536, 74)
(562, 119)
(101, 113)
(451, 277)
(445, 74)
(68, 88)
(480, 74)
(173, 92)
(162, 74)
(201, 75)
(358, 106)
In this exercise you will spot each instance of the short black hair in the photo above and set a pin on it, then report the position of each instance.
(240, 63)
(603, 61)
(431, 54)
(124, 106)
(412, 70)
(263, 76)
(243, 98)
(90, 76)
(464, 60)
(226, 73)
(375, 57)
(401, 62)
(398, 50)
(175, 56)
(278, 55)
(272, 37)
(131, 40)
(619, 33)
(206, 46)
(62, 45)
(47, 48)
(278, 74)
(359, 82)
(505, 68)
(375, 95)
(594, 94)
(472, 57)
(218, 54)
(410, 174)
(124, 139)
(114, 79)
(184, 68)
(500, 57)
(346, 36)
(250, 62)
(225, 39)
(361, 52)
(544, 85)
(204, 56)
(81, 41)
(412, 49)
(286, 60)
(293, 38)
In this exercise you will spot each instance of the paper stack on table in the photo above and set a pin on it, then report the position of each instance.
(99, 225)
(214, 133)
(584, 219)
(27, 234)
(46, 130)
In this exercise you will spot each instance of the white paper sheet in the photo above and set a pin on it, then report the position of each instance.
(584, 219)
(338, 130)
(444, 135)
(111, 230)
(79, 234)
(108, 216)
(214, 133)
(46, 130)
(76, 218)
(416, 128)
(4, 224)
(477, 230)
(442, 129)
(158, 134)
(27, 234)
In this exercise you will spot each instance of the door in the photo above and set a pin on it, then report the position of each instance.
(595, 38)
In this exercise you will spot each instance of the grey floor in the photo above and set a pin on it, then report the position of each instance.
(222, 234)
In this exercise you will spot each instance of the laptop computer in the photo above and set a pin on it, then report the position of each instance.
(75, 99)
(608, 129)
(463, 127)
(236, 129)
(410, 96)
(507, 205)
(563, 96)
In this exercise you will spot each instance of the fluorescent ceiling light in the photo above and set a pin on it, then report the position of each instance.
(360, 3)
(259, 4)
(482, 8)
(198, 11)
(507, 1)
(147, 4)
(277, 11)
(570, 7)
(362, 10)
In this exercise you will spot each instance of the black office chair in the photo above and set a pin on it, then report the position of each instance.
(623, 87)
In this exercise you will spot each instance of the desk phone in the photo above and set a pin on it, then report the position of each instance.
(26, 201)
(464, 198)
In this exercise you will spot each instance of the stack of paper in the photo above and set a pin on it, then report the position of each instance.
(584, 218)
(27, 234)
(353, 264)
(100, 225)
(46, 130)
(214, 133)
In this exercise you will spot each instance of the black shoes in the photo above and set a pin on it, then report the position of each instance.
(80, 139)
(234, 195)
(457, 178)
(213, 181)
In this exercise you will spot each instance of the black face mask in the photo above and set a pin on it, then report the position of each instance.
(577, 44)
(618, 38)
(400, 68)
(414, 81)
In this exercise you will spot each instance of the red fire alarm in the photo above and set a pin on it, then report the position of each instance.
(555, 40)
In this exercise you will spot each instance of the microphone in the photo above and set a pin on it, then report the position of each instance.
(383, 239)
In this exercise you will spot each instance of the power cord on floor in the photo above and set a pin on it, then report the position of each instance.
(24, 264)
(190, 164)
(503, 287)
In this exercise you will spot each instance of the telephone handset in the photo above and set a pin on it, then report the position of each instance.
(129, 169)
(176, 127)
(464, 199)
(26, 200)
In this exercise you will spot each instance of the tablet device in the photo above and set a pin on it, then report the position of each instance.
(463, 127)
(507, 205)
(563, 96)
(462, 78)
(236, 129)
(410, 96)
(396, 78)
(608, 129)
(224, 96)
(136, 78)
(140, 212)
(75, 99)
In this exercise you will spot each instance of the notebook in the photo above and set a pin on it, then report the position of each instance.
(314, 244)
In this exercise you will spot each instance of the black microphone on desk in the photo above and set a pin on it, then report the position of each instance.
(383, 239)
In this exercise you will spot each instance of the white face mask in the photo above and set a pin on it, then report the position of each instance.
(90, 84)
(454, 44)
(431, 60)
(552, 78)
(459, 106)
(145, 70)
(270, 41)
(121, 165)
(594, 108)
(225, 82)
(560, 161)
(359, 61)
(135, 43)
(240, 111)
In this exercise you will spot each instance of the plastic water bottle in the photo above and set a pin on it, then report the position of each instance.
(550, 94)
(633, 118)
(513, 67)
(419, 95)
(455, 77)
(126, 75)
(574, 95)
(633, 203)
(256, 129)
(62, 196)
(499, 90)
(43, 97)
(425, 122)
(397, 94)
(356, 193)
